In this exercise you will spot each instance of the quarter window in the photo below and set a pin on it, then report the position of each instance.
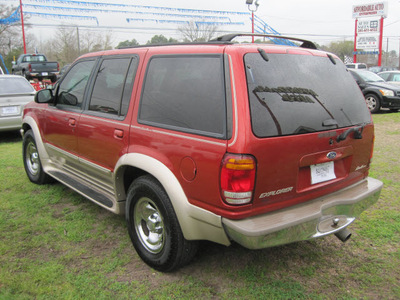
(185, 93)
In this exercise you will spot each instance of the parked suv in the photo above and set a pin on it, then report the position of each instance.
(258, 144)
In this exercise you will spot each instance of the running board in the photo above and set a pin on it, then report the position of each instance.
(83, 189)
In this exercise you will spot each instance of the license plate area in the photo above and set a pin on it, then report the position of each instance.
(9, 110)
(306, 180)
(322, 172)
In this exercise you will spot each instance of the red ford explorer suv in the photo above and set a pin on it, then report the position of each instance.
(258, 144)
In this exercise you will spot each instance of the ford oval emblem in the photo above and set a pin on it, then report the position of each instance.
(331, 155)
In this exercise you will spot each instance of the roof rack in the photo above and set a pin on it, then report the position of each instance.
(230, 37)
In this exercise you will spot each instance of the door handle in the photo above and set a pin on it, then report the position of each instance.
(72, 122)
(118, 133)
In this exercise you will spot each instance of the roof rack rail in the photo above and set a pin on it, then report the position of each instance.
(230, 37)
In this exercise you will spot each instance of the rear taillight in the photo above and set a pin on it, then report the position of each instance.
(238, 173)
(372, 149)
(30, 67)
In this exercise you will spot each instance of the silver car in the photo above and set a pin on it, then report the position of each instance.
(15, 92)
(392, 77)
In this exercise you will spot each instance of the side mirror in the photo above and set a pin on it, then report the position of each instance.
(68, 99)
(44, 96)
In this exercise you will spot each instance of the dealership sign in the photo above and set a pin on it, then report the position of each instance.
(368, 41)
(370, 10)
(368, 26)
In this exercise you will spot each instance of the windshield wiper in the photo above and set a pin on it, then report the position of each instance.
(357, 133)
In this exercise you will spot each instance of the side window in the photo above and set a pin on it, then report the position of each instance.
(396, 77)
(113, 86)
(72, 88)
(385, 76)
(186, 93)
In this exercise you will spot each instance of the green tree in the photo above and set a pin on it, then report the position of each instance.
(160, 39)
(341, 49)
(127, 43)
(71, 42)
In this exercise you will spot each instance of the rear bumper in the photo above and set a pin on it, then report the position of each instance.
(10, 123)
(305, 221)
(42, 74)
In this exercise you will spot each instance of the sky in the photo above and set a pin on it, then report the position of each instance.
(321, 21)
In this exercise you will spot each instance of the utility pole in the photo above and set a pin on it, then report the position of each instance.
(22, 23)
(252, 9)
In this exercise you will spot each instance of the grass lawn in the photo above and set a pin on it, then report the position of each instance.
(55, 244)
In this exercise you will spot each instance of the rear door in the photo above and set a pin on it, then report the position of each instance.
(311, 130)
(103, 130)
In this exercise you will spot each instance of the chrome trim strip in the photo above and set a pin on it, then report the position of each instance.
(103, 119)
(178, 135)
(63, 152)
(80, 159)
(234, 102)
(95, 166)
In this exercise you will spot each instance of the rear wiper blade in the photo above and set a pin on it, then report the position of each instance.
(329, 122)
(357, 133)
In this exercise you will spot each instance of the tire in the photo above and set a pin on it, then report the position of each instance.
(32, 164)
(373, 103)
(154, 228)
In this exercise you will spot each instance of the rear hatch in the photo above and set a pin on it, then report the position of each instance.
(312, 131)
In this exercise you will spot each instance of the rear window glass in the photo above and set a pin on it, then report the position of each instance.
(14, 85)
(185, 93)
(294, 94)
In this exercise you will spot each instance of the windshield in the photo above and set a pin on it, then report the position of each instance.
(370, 77)
(14, 85)
(294, 94)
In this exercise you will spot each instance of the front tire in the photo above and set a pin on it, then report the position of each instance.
(154, 228)
(32, 164)
(373, 103)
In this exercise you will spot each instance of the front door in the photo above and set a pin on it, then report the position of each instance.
(62, 119)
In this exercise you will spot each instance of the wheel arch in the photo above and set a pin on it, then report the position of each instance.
(29, 123)
(196, 223)
(374, 92)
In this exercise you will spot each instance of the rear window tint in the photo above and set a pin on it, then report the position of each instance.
(14, 85)
(294, 94)
(185, 93)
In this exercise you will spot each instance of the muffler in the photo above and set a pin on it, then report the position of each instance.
(343, 234)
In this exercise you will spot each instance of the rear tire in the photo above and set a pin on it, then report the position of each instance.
(373, 103)
(32, 164)
(154, 228)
